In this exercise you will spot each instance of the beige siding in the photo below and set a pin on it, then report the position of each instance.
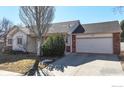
(31, 44)
(15, 45)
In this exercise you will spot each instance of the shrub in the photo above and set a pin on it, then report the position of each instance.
(54, 45)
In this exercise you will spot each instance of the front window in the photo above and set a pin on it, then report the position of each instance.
(9, 41)
(19, 41)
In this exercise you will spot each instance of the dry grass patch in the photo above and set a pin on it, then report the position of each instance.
(20, 66)
(16, 63)
(20, 63)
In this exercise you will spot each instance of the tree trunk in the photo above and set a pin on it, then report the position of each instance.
(38, 47)
(33, 70)
(38, 53)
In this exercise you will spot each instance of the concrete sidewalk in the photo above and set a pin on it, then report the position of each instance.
(8, 73)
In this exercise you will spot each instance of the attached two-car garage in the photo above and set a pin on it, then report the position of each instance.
(94, 43)
(97, 38)
(108, 43)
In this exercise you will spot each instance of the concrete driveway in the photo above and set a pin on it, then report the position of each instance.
(86, 65)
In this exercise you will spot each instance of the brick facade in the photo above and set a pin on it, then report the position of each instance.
(116, 43)
(73, 43)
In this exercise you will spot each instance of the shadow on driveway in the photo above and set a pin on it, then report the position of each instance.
(79, 59)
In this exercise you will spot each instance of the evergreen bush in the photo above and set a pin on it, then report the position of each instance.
(54, 45)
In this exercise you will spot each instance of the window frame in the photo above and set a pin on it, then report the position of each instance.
(10, 41)
(19, 40)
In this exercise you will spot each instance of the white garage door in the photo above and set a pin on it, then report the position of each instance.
(94, 45)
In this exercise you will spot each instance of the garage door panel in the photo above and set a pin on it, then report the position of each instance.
(94, 45)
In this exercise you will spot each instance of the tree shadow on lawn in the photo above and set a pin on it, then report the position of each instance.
(9, 58)
(79, 59)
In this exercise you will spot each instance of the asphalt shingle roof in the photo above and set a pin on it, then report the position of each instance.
(103, 27)
(75, 27)
(63, 27)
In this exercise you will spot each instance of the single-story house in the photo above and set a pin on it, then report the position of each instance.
(101, 37)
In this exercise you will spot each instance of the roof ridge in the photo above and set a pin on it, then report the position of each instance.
(101, 22)
(66, 21)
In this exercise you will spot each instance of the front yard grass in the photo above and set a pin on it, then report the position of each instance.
(19, 63)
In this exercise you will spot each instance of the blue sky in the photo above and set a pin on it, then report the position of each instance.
(68, 13)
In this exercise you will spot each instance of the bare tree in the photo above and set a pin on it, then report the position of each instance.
(118, 10)
(38, 20)
(5, 26)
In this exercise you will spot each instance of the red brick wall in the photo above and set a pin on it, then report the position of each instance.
(73, 43)
(116, 43)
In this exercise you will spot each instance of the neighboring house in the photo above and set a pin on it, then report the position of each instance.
(21, 39)
(80, 38)
(2, 34)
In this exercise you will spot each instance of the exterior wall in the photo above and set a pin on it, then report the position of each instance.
(68, 39)
(1, 46)
(16, 46)
(31, 44)
(73, 43)
(116, 43)
(1, 40)
(9, 36)
(68, 44)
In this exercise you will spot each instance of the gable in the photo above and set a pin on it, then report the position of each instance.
(11, 33)
(79, 29)
(15, 30)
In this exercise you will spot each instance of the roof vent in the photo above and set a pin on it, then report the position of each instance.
(70, 25)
